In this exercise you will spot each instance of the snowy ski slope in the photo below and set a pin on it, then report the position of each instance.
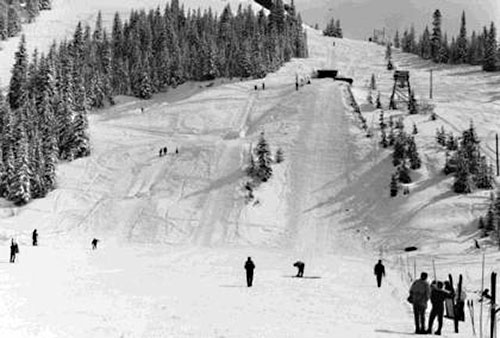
(175, 230)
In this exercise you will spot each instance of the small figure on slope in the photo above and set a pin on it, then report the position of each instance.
(379, 271)
(94, 243)
(14, 250)
(35, 237)
(300, 266)
(249, 267)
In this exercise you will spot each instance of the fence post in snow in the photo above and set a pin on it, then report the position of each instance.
(493, 304)
(496, 152)
(482, 301)
(430, 88)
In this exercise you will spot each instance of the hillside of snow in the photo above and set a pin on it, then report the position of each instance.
(175, 230)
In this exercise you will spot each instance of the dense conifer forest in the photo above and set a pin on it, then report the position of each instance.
(15, 12)
(43, 117)
(480, 48)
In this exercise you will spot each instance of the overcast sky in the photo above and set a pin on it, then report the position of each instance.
(360, 17)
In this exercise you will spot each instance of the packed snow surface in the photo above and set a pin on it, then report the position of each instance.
(175, 230)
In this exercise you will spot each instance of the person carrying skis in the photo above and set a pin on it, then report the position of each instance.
(379, 271)
(94, 243)
(300, 266)
(419, 296)
(249, 267)
(35, 237)
(438, 296)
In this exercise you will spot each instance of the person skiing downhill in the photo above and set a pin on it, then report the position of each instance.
(300, 266)
(419, 296)
(35, 237)
(379, 271)
(249, 267)
(94, 243)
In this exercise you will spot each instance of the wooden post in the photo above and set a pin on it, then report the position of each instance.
(430, 88)
(496, 139)
(434, 268)
(482, 301)
(459, 296)
(493, 303)
(415, 268)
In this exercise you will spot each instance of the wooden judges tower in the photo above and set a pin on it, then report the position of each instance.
(401, 91)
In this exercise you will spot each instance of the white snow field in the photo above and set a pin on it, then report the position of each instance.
(175, 230)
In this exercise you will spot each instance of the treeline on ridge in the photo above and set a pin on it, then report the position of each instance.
(478, 49)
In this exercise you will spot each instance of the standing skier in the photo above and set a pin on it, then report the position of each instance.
(94, 243)
(419, 295)
(379, 271)
(14, 250)
(438, 296)
(249, 267)
(300, 266)
(35, 237)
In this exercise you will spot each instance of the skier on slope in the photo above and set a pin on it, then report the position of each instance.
(419, 296)
(300, 266)
(438, 296)
(94, 243)
(14, 250)
(379, 271)
(35, 237)
(249, 267)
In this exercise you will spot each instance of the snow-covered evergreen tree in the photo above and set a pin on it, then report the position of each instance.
(263, 159)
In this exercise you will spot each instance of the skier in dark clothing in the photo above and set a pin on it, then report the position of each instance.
(438, 295)
(379, 271)
(94, 243)
(263, 86)
(35, 238)
(14, 250)
(176, 150)
(161, 151)
(165, 151)
(255, 87)
(299, 265)
(419, 296)
(249, 267)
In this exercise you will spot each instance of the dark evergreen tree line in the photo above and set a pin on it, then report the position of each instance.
(478, 49)
(43, 117)
(465, 161)
(15, 12)
(333, 28)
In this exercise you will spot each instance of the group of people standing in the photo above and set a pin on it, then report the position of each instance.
(420, 294)
(163, 151)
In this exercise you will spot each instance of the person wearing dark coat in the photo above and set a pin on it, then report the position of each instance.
(249, 267)
(165, 151)
(379, 271)
(420, 292)
(300, 266)
(438, 296)
(35, 237)
(14, 250)
(94, 243)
